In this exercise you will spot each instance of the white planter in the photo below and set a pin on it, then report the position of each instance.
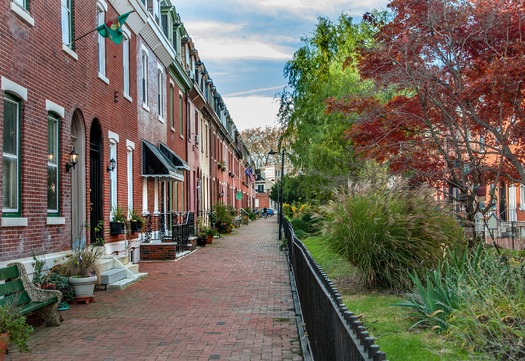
(84, 286)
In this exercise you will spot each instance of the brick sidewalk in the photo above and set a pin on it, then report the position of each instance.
(227, 301)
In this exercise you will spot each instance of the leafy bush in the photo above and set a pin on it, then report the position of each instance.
(222, 213)
(389, 232)
(478, 297)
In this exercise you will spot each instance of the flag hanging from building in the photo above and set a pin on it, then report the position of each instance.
(113, 29)
(249, 174)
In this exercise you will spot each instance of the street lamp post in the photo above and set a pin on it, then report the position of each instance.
(280, 194)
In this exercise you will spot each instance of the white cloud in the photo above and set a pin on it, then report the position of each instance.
(252, 111)
(226, 41)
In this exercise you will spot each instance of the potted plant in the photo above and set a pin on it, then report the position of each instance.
(210, 234)
(201, 238)
(13, 329)
(136, 221)
(80, 267)
(118, 219)
(223, 216)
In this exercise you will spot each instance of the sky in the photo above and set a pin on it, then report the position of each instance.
(246, 44)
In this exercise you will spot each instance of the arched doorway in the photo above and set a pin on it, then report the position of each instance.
(78, 183)
(95, 179)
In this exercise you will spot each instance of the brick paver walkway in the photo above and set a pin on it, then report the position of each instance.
(227, 301)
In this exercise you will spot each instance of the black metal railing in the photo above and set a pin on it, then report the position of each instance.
(181, 232)
(334, 333)
(175, 227)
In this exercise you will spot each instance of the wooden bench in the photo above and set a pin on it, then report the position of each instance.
(16, 289)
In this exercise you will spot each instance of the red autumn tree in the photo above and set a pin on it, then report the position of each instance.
(447, 107)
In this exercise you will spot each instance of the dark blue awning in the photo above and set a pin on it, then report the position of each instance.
(173, 157)
(155, 164)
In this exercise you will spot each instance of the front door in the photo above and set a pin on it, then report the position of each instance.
(78, 183)
(95, 180)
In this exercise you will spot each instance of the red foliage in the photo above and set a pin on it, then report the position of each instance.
(457, 67)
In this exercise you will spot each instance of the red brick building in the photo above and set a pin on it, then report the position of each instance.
(144, 117)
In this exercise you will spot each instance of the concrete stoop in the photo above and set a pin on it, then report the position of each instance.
(114, 274)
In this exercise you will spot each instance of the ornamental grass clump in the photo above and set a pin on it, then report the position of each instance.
(389, 232)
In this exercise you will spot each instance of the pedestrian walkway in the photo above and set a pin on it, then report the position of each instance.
(230, 300)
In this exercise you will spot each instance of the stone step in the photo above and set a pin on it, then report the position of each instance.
(133, 267)
(112, 276)
(120, 285)
(104, 264)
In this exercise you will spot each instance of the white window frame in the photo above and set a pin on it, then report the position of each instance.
(67, 23)
(161, 86)
(53, 162)
(21, 8)
(13, 157)
(125, 62)
(113, 141)
(130, 146)
(144, 77)
(512, 201)
(101, 43)
(156, 11)
(19, 91)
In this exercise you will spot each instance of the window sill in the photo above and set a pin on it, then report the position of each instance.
(103, 78)
(23, 13)
(145, 106)
(129, 98)
(14, 222)
(69, 51)
(53, 221)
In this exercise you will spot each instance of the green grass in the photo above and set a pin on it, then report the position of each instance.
(388, 324)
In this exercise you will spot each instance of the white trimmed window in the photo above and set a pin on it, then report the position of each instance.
(160, 93)
(144, 77)
(11, 156)
(113, 174)
(67, 22)
(130, 148)
(101, 41)
(125, 63)
(513, 216)
(53, 176)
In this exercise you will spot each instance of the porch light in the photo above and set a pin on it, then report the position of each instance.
(73, 158)
(112, 165)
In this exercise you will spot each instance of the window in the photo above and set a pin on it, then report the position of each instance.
(125, 63)
(156, 11)
(512, 204)
(130, 148)
(113, 174)
(11, 156)
(22, 3)
(101, 46)
(260, 188)
(21, 8)
(171, 100)
(144, 78)
(67, 23)
(160, 94)
(181, 118)
(52, 163)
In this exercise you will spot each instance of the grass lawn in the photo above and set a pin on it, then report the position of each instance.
(388, 324)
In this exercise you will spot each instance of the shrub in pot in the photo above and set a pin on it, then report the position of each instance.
(13, 328)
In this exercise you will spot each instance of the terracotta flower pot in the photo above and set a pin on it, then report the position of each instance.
(4, 342)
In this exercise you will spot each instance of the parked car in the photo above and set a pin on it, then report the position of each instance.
(270, 212)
